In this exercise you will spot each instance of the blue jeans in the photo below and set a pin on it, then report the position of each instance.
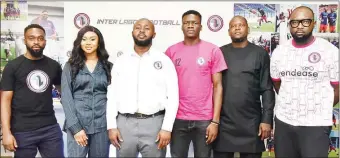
(185, 131)
(49, 141)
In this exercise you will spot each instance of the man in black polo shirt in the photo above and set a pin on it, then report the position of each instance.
(27, 115)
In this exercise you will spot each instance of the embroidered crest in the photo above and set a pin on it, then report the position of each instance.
(200, 61)
(314, 57)
(157, 65)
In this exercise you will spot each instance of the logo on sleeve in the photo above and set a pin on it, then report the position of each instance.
(314, 57)
(157, 65)
(37, 81)
(200, 61)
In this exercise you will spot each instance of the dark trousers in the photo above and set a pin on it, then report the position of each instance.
(98, 145)
(48, 140)
(185, 131)
(300, 141)
(231, 155)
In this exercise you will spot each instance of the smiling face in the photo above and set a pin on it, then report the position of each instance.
(89, 42)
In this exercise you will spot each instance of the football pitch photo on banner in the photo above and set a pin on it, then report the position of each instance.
(327, 21)
(261, 17)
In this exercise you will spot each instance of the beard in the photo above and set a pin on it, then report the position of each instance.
(238, 40)
(302, 39)
(144, 43)
(36, 54)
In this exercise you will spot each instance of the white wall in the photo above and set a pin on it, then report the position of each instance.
(118, 37)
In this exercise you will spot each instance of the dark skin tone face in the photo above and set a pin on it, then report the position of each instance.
(35, 40)
(143, 29)
(302, 34)
(191, 26)
(238, 29)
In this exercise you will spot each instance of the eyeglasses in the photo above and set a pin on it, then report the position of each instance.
(304, 22)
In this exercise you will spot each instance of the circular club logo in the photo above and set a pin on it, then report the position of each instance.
(81, 20)
(157, 65)
(215, 23)
(119, 53)
(37, 81)
(314, 57)
(200, 61)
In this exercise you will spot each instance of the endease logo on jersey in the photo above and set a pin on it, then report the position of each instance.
(304, 72)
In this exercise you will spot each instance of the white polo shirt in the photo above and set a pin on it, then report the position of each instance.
(306, 95)
(145, 84)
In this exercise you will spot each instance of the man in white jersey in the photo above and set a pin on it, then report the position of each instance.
(305, 73)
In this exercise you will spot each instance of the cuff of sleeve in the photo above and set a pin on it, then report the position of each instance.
(75, 128)
(267, 119)
(276, 79)
(167, 125)
(111, 124)
(334, 82)
(219, 70)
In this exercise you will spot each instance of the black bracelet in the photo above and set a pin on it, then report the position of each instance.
(215, 122)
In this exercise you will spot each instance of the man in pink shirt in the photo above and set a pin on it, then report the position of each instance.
(198, 64)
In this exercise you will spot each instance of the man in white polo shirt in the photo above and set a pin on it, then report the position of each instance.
(305, 73)
(144, 95)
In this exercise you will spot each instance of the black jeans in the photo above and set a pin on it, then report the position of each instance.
(49, 141)
(185, 131)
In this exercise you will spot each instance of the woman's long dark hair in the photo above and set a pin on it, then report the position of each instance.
(77, 59)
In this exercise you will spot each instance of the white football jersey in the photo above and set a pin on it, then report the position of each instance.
(306, 95)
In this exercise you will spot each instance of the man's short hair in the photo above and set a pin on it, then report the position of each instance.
(192, 12)
(31, 26)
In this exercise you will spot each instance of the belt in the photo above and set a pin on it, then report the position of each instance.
(143, 116)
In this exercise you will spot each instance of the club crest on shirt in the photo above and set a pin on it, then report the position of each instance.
(314, 57)
(37, 81)
(157, 65)
(200, 61)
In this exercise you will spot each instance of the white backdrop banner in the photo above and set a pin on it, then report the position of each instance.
(115, 21)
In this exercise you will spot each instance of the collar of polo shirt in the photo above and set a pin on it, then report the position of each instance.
(134, 53)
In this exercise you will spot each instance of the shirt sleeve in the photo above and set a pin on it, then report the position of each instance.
(111, 108)
(67, 101)
(274, 65)
(168, 53)
(57, 80)
(334, 65)
(8, 78)
(218, 62)
(172, 91)
(267, 91)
